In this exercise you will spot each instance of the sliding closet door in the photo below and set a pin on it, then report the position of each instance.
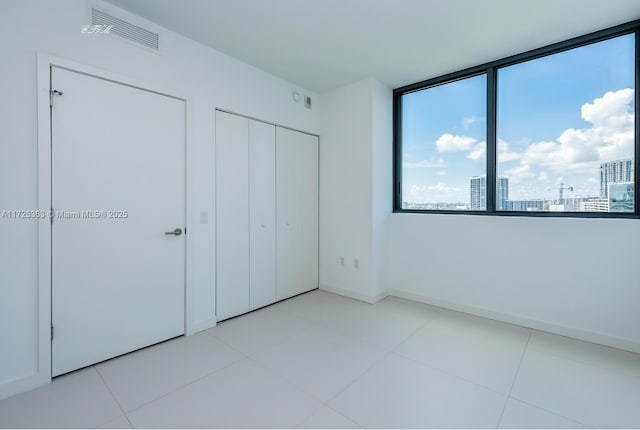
(232, 215)
(297, 212)
(262, 214)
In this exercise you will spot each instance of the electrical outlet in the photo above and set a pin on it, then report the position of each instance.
(341, 261)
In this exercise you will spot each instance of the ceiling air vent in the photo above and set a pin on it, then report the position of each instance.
(125, 29)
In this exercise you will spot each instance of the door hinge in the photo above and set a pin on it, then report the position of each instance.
(185, 231)
(51, 331)
(53, 93)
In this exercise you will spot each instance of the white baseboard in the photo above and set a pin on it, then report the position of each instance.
(355, 295)
(22, 384)
(200, 326)
(599, 338)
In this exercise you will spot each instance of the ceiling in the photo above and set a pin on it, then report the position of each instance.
(323, 44)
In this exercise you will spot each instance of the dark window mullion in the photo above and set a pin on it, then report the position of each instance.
(491, 138)
(636, 161)
(397, 151)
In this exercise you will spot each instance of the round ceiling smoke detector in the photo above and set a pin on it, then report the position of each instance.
(296, 96)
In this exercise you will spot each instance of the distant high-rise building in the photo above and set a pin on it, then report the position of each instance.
(478, 189)
(615, 171)
(502, 196)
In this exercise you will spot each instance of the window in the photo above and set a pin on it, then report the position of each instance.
(551, 132)
(444, 150)
(566, 129)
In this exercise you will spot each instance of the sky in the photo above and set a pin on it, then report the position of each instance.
(559, 117)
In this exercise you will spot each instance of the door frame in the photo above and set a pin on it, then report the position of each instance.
(44, 63)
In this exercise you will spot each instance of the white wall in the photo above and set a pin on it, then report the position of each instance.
(207, 78)
(578, 277)
(382, 181)
(355, 180)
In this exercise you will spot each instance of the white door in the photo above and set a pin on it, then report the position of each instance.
(297, 212)
(118, 173)
(262, 214)
(232, 215)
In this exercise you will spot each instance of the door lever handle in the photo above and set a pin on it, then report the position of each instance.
(176, 232)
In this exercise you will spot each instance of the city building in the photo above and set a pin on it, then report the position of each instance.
(594, 204)
(533, 205)
(502, 195)
(613, 172)
(478, 189)
(572, 204)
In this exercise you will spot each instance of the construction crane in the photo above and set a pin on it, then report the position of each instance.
(561, 193)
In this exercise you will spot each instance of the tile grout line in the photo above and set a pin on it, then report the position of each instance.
(553, 413)
(321, 402)
(447, 373)
(188, 384)
(513, 383)
(113, 396)
(225, 343)
(425, 324)
(233, 362)
(315, 411)
(346, 333)
(343, 415)
(346, 387)
(282, 378)
(551, 353)
(276, 343)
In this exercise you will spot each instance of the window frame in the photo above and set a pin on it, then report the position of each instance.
(491, 71)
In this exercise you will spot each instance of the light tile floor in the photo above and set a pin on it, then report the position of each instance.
(324, 361)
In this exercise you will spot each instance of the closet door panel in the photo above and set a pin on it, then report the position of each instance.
(232, 215)
(262, 214)
(297, 212)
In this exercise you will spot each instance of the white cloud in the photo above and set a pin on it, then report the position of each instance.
(520, 173)
(416, 193)
(478, 152)
(441, 188)
(424, 193)
(466, 122)
(441, 172)
(610, 137)
(504, 154)
(423, 164)
(450, 143)
(543, 176)
(611, 110)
